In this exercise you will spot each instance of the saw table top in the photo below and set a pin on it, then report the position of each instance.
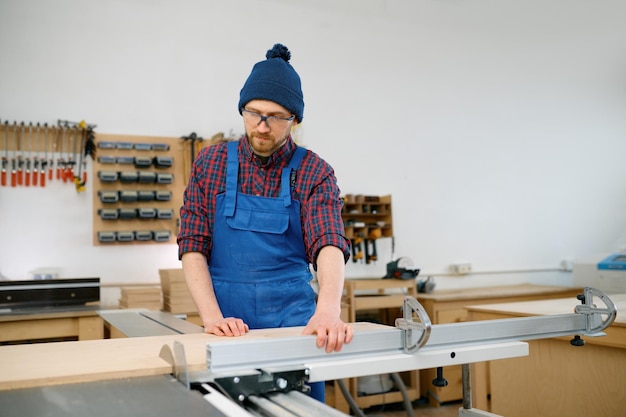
(154, 396)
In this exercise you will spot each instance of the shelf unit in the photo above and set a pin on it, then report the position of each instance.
(364, 215)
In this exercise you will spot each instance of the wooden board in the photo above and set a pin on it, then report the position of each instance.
(176, 296)
(25, 366)
(141, 297)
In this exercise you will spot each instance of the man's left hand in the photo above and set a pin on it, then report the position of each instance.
(331, 332)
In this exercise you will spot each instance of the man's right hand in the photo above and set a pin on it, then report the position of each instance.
(229, 326)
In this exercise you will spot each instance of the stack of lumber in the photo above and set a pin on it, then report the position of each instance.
(176, 296)
(141, 297)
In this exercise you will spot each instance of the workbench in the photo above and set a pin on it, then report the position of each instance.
(373, 294)
(449, 306)
(556, 379)
(52, 323)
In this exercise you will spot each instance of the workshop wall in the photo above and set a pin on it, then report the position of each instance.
(497, 127)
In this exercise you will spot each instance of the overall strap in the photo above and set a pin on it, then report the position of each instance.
(232, 175)
(288, 177)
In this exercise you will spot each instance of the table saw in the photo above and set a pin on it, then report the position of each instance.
(264, 373)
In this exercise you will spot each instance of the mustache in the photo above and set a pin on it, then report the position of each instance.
(261, 135)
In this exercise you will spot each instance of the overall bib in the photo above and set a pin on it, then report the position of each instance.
(258, 261)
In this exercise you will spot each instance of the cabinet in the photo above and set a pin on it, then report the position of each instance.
(71, 324)
(449, 307)
(556, 379)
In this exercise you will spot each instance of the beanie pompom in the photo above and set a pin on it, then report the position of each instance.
(279, 51)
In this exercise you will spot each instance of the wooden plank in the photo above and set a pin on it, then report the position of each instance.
(25, 366)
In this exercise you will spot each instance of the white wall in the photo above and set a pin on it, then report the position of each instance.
(498, 127)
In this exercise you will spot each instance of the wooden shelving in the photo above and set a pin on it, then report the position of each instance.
(364, 215)
(366, 218)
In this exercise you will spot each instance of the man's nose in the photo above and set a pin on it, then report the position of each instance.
(263, 126)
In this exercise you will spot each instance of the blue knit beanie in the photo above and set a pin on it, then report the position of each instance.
(275, 80)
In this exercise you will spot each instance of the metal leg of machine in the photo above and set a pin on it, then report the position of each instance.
(467, 410)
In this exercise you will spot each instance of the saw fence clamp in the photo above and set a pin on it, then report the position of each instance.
(594, 322)
(415, 333)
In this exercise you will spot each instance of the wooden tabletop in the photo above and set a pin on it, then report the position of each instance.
(615, 333)
(47, 313)
(475, 293)
(548, 307)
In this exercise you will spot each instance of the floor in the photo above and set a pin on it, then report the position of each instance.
(420, 409)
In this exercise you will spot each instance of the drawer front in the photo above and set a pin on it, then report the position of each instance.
(451, 316)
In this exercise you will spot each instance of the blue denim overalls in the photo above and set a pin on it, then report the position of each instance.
(258, 262)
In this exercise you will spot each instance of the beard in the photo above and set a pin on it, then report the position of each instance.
(265, 144)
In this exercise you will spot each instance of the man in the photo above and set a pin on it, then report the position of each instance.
(257, 212)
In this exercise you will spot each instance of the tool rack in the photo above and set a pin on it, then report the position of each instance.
(138, 189)
(34, 153)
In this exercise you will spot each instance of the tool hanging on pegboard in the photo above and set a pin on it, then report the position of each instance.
(82, 145)
(31, 149)
(373, 235)
(194, 142)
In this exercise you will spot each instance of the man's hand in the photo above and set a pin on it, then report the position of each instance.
(229, 326)
(331, 332)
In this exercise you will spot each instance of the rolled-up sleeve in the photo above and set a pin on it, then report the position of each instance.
(321, 217)
(198, 210)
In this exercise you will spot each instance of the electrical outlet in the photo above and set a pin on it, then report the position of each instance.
(461, 268)
(567, 265)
